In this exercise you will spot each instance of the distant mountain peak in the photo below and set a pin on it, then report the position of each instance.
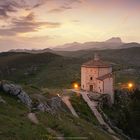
(32, 51)
(114, 40)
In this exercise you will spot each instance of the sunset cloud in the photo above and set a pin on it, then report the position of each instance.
(60, 9)
(8, 6)
(26, 24)
(55, 22)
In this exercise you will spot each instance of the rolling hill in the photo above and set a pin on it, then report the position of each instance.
(49, 71)
(63, 68)
(128, 56)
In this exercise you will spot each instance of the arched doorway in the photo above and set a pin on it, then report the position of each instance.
(91, 87)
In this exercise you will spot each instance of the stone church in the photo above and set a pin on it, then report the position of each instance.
(96, 77)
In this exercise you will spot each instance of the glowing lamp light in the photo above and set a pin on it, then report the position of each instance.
(130, 85)
(76, 86)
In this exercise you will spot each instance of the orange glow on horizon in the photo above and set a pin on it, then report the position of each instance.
(67, 21)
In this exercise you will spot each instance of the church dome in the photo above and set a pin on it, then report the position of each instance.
(96, 63)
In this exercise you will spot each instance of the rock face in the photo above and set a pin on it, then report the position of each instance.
(2, 100)
(44, 107)
(51, 106)
(17, 91)
(55, 103)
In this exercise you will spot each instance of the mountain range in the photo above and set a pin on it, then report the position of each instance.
(112, 43)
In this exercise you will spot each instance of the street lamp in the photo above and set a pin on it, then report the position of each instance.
(76, 86)
(130, 85)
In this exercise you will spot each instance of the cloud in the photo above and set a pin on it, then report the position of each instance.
(64, 5)
(26, 24)
(60, 9)
(8, 6)
(73, 1)
(75, 21)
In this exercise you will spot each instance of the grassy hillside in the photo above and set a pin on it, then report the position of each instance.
(59, 73)
(20, 67)
(126, 62)
(123, 56)
(82, 109)
(15, 125)
(37, 72)
(45, 69)
(51, 70)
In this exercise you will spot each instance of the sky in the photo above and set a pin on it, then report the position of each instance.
(38, 24)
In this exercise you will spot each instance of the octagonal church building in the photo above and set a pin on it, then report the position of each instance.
(97, 77)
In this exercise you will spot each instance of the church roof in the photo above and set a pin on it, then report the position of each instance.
(105, 76)
(97, 63)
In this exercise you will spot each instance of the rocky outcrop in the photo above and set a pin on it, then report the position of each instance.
(55, 103)
(17, 91)
(2, 100)
(44, 107)
(51, 105)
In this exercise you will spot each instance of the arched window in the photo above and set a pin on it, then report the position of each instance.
(91, 78)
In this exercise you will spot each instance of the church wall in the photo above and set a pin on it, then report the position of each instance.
(103, 71)
(99, 86)
(108, 88)
(88, 77)
(89, 81)
(83, 78)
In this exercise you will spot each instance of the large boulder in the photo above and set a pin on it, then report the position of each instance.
(17, 91)
(24, 97)
(11, 89)
(49, 105)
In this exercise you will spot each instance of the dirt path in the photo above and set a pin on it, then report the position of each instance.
(32, 117)
(93, 106)
(66, 100)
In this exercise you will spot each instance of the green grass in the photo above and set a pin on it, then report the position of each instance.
(83, 110)
(122, 77)
(59, 74)
(54, 71)
(70, 126)
(14, 124)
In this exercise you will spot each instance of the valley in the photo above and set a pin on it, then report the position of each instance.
(46, 75)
